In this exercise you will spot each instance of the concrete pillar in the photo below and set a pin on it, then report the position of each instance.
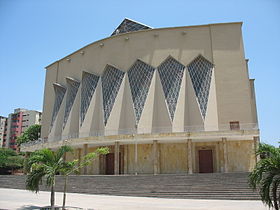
(256, 147)
(136, 158)
(224, 142)
(85, 153)
(117, 158)
(125, 154)
(156, 157)
(190, 159)
(79, 158)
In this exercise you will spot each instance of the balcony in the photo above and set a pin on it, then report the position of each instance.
(223, 128)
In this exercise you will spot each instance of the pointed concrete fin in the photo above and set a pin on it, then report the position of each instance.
(127, 118)
(211, 118)
(146, 118)
(97, 125)
(179, 115)
(56, 130)
(116, 120)
(89, 84)
(193, 117)
(71, 127)
(111, 81)
(72, 89)
(128, 25)
(161, 118)
(59, 91)
(93, 121)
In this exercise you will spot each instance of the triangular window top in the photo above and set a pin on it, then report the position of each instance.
(128, 25)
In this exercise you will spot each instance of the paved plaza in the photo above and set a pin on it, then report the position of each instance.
(22, 199)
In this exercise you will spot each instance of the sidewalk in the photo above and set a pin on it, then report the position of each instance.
(22, 199)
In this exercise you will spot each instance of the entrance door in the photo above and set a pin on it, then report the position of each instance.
(110, 162)
(205, 161)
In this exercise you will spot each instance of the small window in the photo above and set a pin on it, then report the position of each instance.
(234, 125)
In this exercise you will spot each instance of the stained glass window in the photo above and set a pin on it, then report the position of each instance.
(129, 25)
(72, 89)
(171, 74)
(89, 83)
(111, 82)
(200, 71)
(140, 76)
(59, 92)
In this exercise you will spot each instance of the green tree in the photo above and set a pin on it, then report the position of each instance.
(45, 163)
(32, 133)
(75, 165)
(266, 175)
(10, 160)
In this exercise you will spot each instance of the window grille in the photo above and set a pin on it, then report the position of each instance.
(171, 74)
(140, 77)
(89, 84)
(200, 71)
(59, 92)
(72, 89)
(128, 26)
(111, 82)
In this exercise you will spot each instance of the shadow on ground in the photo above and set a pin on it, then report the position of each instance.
(28, 207)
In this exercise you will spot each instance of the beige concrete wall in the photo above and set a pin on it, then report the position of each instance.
(220, 44)
(173, 158)
(144, 161)
(240, 155)
(93, 168)
(231, 76)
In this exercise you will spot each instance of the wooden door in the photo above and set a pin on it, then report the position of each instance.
(110, 162)
(205, 161)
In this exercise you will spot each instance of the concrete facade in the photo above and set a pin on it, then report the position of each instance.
(164, 100)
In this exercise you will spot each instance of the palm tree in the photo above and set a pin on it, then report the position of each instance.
(74, 166)
(266, 175)
(45, 163)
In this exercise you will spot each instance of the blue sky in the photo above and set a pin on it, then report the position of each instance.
(36, 33)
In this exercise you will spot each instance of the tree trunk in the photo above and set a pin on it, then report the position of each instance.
(52, 196)
(64, 192)
(274, 195)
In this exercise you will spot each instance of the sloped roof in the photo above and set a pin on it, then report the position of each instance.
(128, 25)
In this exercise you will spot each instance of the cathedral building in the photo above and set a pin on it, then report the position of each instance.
(164, 100)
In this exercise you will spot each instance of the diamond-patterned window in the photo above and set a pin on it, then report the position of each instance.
(171, 74)
(140, 77)
(72, 89)
(89, 83)
(111, 82)
(200, 71)
(128, 26)
(59, 92)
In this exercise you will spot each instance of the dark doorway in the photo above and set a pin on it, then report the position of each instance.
(110, 164)
(205, 161)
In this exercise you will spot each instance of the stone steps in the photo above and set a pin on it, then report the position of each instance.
(230, 186)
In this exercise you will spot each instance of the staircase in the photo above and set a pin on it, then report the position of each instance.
(227, 186)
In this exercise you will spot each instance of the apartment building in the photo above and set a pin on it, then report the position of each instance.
(18, 122)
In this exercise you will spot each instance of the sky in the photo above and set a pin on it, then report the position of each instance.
(34, 34)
